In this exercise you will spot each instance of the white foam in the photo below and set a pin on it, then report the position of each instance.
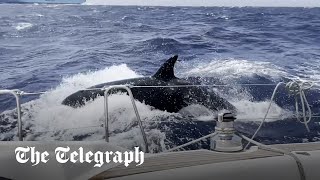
(309, 72)
(51, 114)
(198, 112)
(255, 111)
(21, 26)
(232, 69)
(39, 15)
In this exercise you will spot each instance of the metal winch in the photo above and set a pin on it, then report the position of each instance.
(225, 139)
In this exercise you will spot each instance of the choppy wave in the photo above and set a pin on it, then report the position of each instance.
(232, 69)
(21, 26)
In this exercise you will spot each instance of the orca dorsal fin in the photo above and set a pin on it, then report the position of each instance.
(166, 71)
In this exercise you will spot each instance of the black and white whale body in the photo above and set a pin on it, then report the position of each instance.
(170, 99)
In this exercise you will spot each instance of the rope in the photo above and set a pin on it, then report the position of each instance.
(296, 88)
(74, 128)
(200, 85)
(22, 93)
(28, 93)
(191, 142)
(311, 84)
(171, 86)
(272, 149)
(265, 116)
(261, 146)
(238, 119)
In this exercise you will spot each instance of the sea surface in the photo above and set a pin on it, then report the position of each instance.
(60, 49)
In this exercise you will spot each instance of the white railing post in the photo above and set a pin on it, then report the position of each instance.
(106, 113)
(16, 94)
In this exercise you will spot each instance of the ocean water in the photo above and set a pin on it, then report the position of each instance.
(59, 49)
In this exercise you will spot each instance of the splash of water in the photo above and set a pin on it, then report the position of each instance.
(22, 26)
(47, 119)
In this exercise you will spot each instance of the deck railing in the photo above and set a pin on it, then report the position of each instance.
(106, 113)
(16, 94)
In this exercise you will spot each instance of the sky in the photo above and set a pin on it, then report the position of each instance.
(241, 3)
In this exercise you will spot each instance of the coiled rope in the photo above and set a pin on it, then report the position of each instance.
(297, 89)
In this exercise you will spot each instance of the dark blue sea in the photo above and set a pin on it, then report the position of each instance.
(60, 49)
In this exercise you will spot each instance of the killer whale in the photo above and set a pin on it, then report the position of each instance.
(171, 99)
